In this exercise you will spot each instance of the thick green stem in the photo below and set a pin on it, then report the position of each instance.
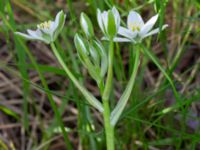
(109, 129)
(89, 97)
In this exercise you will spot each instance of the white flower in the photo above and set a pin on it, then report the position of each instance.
(109, 22)
(136, 28)
(47, 31)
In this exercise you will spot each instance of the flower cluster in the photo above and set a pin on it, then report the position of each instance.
(109, 23)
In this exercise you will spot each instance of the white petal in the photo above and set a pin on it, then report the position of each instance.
(52, 26)
(105, 38)
(119, 39)
(25, 36)
(37, 35)
(99, 19)
(84, 24)
(134, 19)
(117, 16)
(148, 26)
(29, 37)
(46, 31)
(104, 17)
(155, 31)
(34, 34)
(57, 19)
(127, 33)
(56, 26)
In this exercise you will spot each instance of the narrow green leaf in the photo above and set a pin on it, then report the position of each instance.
(156, 62)
(21, 58)
(126, 94)
(9, 112)
(109, 79)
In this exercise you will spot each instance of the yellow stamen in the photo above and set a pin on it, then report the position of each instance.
(135, 26)
(45, 25)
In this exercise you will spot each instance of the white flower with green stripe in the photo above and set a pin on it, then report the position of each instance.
(136, 29)
(47, 31)
(109, 22)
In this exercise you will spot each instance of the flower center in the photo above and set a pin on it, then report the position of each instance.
(45, 25)
(135, 27)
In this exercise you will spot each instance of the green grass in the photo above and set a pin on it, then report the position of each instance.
(54, 101)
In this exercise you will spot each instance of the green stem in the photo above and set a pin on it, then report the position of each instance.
(109, 129)
(89, 97)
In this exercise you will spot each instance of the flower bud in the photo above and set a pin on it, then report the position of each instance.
(103, 62)
(93, 57)
(81, 48)
(86, 25)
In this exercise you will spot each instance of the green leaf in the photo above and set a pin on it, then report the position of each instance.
(126, 94)
(9, 112)
(109, 78)
(157, 63)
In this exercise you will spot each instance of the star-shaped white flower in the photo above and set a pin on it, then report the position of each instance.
(47, 31)
(136, 29)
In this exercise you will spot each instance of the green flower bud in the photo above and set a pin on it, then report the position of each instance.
(93, 57)
(86, 25)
